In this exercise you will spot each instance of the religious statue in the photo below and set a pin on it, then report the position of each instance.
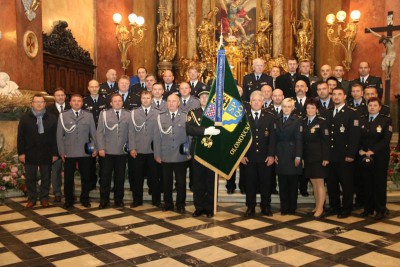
(205, 38)
(280, 62)
(263, 39)
(8, 88)
(234, 55)
(303, 32)
(166, 39)
(185, 64)
(390, 55)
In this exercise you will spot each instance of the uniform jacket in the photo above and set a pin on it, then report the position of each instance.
(141, 131)
(109, 139)
(71, 140)
(286, 83)
(105, 89)
(132, 101)
(289, 144)
(345, 134)
(172, 90)
(167, 143)
(376, 135)
(163, 105)
(198, 88)
(193, 127)
(316, 140)
(300, 110)
(38, 148)
(137, 88)
(372, 81)
(272, 109)
(192, 103)
(250, 84)
(94, 108)
(264, 137)
(322, 111)
(53, 109)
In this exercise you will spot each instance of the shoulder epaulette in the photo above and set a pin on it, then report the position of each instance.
(384, 115)
(321, 118)
(364, 115)
(353, 109)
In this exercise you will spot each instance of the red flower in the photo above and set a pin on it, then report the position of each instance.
(3, 166)
(390, 172)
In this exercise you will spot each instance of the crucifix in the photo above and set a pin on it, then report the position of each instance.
(390, 55)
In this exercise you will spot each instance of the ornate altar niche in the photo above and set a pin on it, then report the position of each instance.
(66, 64)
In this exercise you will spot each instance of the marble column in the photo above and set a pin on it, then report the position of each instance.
(277, 27)
(305, 8)
(191, 28)
(205, 7)
(312, 17)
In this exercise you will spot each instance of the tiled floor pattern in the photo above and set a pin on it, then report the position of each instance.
(146, 236)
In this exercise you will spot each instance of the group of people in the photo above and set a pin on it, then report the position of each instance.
(325, 130)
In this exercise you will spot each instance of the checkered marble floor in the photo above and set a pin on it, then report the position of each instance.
(146, 236)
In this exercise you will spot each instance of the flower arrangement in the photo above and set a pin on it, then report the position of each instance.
(394, 166)
(11, 174)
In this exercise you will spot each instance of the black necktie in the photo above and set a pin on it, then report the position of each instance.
(143, 86)
(95, 101)
(117, 112)
(123, 97)
(61, 108)
(273, 84)
(192, 85)
(257, 77)
(167, 88)
(284, 119)
(324, 104)
(336, 112)
(256, 118)
(277, 110)
(173, 116)
(309, 122)
(301, 102)
(362, 80)
(76, 114)
(371, 119)
(145, 111)
(184, 102)
(158, 103)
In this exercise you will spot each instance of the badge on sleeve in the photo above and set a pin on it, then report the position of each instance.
(355, 122)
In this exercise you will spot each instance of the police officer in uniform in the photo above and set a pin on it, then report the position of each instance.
(371, 91)
(345, 135)
(112, 136)
(260, 156)
(130, 100)
(94, 103)
(76, 128)
(194, 82)
(168, 137)
(324, 100)
(203, 177)
(376, 133)
(110, 86)
(188, 102)
(144, 123)
(254, 81)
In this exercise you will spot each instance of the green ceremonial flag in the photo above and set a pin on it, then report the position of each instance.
(222, 153)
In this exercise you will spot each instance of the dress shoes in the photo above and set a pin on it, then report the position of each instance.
(209, 214)
(135, 204)
(379, 216)
(68, 205)
(266, 212)
(167, 207)
(275, 192)
(119, 204)
(322, 215)
(366, 213)
(344, 214)
(103, 205)
(30, 204)
(86, 204)
(243, 190)
(250, 212)
(156, 204)
(197, 213)
(332, 211)
(230, 191)
(44, 203)
(304, 194)
(57, 199)
(181, 210)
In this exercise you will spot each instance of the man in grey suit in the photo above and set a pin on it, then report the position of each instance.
(168, 138)
(112, 137)
(158, 101)
(75, 129)
(188, 101)
(144, 122)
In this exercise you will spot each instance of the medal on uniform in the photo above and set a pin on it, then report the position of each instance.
(312, 130)
(266, 132)
(379, 129)
(342, 129)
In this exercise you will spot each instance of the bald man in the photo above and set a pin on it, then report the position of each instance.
(169, 86)
(367, 80)
(110, 86)
(325, 73)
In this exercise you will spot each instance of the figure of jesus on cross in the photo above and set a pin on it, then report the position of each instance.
(388, 41)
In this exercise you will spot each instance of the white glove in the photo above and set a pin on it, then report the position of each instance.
(211, 131)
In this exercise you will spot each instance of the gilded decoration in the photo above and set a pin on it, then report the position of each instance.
(166, 39)
(302, 32)
(31, 45)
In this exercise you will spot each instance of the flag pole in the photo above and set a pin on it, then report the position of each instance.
(215, 192)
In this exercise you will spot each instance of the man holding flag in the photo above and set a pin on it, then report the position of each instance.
(222, 153)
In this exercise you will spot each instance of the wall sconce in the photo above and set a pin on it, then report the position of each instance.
(128, 38)
(344, 37)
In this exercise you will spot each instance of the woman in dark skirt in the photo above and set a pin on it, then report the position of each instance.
(289, 151)
(316, 154)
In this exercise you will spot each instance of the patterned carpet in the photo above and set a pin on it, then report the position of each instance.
(146, 236)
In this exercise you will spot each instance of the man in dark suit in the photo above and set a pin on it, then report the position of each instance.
(94, 103)
(266, 90)
(255, 80)
(150, 80)
(325, 72)
(169, 86)
(194, 82)
(357, 101)
(58, 107)
(274, 73)
(370, 92)
(301, 99)
(260, 156)
(367, 80)
(141, 85)
(130, 100)
(305, 70)
(324, 100)
(345, 137)
(338, 73)
(110, 86)
(37, 149)
(287, 81)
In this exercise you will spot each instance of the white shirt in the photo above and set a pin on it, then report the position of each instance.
(194, 83)
(59, 107)
(310, 119)
(303, 100)
(75, 111)
(277, 107)
(364, 77)
(174, 114)
(254, 115)
(339, 108)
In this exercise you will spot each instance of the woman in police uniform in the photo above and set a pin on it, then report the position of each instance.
(289, 151)
(316, 154)
(376, 133)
